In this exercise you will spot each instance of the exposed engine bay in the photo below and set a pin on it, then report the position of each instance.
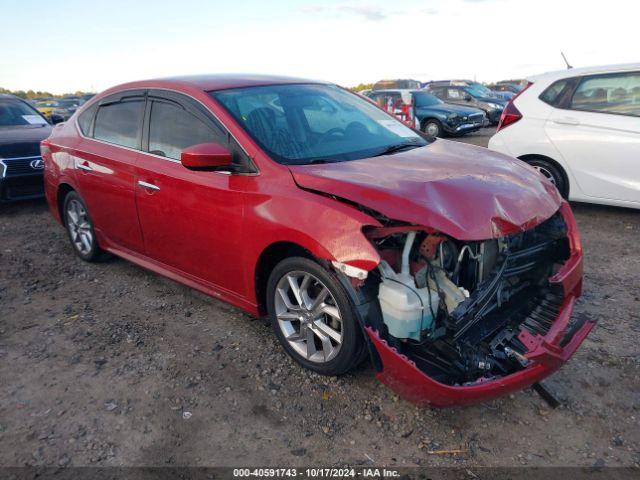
(457, 308)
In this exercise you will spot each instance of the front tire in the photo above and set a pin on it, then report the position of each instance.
(313, 318)
(553, 173)
(432, 127)
(80, 228)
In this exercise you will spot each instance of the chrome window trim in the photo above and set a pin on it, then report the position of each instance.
(251, 174)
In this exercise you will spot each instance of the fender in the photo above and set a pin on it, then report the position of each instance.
(327, 228)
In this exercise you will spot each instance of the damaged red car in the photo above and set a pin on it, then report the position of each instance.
(453, 268)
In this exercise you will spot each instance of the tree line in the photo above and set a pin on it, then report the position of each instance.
(29, 94)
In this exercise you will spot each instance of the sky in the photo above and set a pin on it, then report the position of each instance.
(90, 45)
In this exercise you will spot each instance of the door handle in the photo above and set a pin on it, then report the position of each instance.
(148, 186)
(85, 166)
(567, 121)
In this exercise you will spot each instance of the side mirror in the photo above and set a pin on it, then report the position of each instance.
(206, 156)
(467, 97)
(55, 119)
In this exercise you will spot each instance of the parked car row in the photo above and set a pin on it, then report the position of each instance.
(448, 107)
(432, 115)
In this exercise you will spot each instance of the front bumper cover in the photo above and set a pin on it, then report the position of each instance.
(545, 354)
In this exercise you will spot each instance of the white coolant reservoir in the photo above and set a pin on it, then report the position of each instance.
(406, 309)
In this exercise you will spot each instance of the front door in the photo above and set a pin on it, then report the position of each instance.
(191, 221)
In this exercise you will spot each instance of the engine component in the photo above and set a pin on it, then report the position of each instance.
(406, 309)
(462, 316)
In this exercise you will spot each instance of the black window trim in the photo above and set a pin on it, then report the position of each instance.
(253, 170)
(146, 126)
(578, 80)
(142, 96)
(198, 110)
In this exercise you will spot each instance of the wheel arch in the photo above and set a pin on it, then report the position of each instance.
(268, 259)
(63, 191)
(535, 156)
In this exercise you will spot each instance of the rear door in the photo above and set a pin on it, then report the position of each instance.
(597, 132)
(192, 221)
(105, 162)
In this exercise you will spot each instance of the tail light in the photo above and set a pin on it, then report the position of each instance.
(511, 114)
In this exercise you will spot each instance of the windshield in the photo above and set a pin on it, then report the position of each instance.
(424, 99)
(67, 103)
(15, 113)
(478, 90)
(303, 124)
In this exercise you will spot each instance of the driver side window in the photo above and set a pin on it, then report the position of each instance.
(172, 129)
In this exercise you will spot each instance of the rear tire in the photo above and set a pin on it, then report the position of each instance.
(552, 172)
(80, 229)
(313, 317)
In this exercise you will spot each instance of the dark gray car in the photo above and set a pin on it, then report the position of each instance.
(22, 128)
(470, 97)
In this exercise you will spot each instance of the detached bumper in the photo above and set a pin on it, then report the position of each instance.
(545, 354)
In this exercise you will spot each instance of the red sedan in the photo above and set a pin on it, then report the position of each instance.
(453, 268)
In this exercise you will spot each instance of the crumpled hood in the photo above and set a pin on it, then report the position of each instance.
(468, 192)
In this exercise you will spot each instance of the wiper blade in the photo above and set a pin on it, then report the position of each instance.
(319, 160)
(396, 148)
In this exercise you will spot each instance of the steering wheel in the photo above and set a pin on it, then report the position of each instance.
(331, 133)
(356, 129)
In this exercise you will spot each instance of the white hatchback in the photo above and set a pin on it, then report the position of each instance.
(581, 129)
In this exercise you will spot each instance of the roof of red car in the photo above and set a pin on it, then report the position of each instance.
(221, 81)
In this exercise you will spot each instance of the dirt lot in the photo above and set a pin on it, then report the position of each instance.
(109, 364)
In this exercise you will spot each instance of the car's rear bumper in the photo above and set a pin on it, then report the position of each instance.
(545, 354)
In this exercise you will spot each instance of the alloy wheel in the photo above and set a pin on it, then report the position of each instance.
(79, 227)
(308, 316)
(546, 173)
(432, 129)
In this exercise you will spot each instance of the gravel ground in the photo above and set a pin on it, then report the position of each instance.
(108, 364)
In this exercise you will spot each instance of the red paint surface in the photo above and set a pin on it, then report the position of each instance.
(209, 230)
(470, 193)
(205, 155)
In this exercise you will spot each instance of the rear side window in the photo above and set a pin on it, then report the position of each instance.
(556, 94)
(85, 119)
(617, 94)
(120, 123)
(172, 129)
